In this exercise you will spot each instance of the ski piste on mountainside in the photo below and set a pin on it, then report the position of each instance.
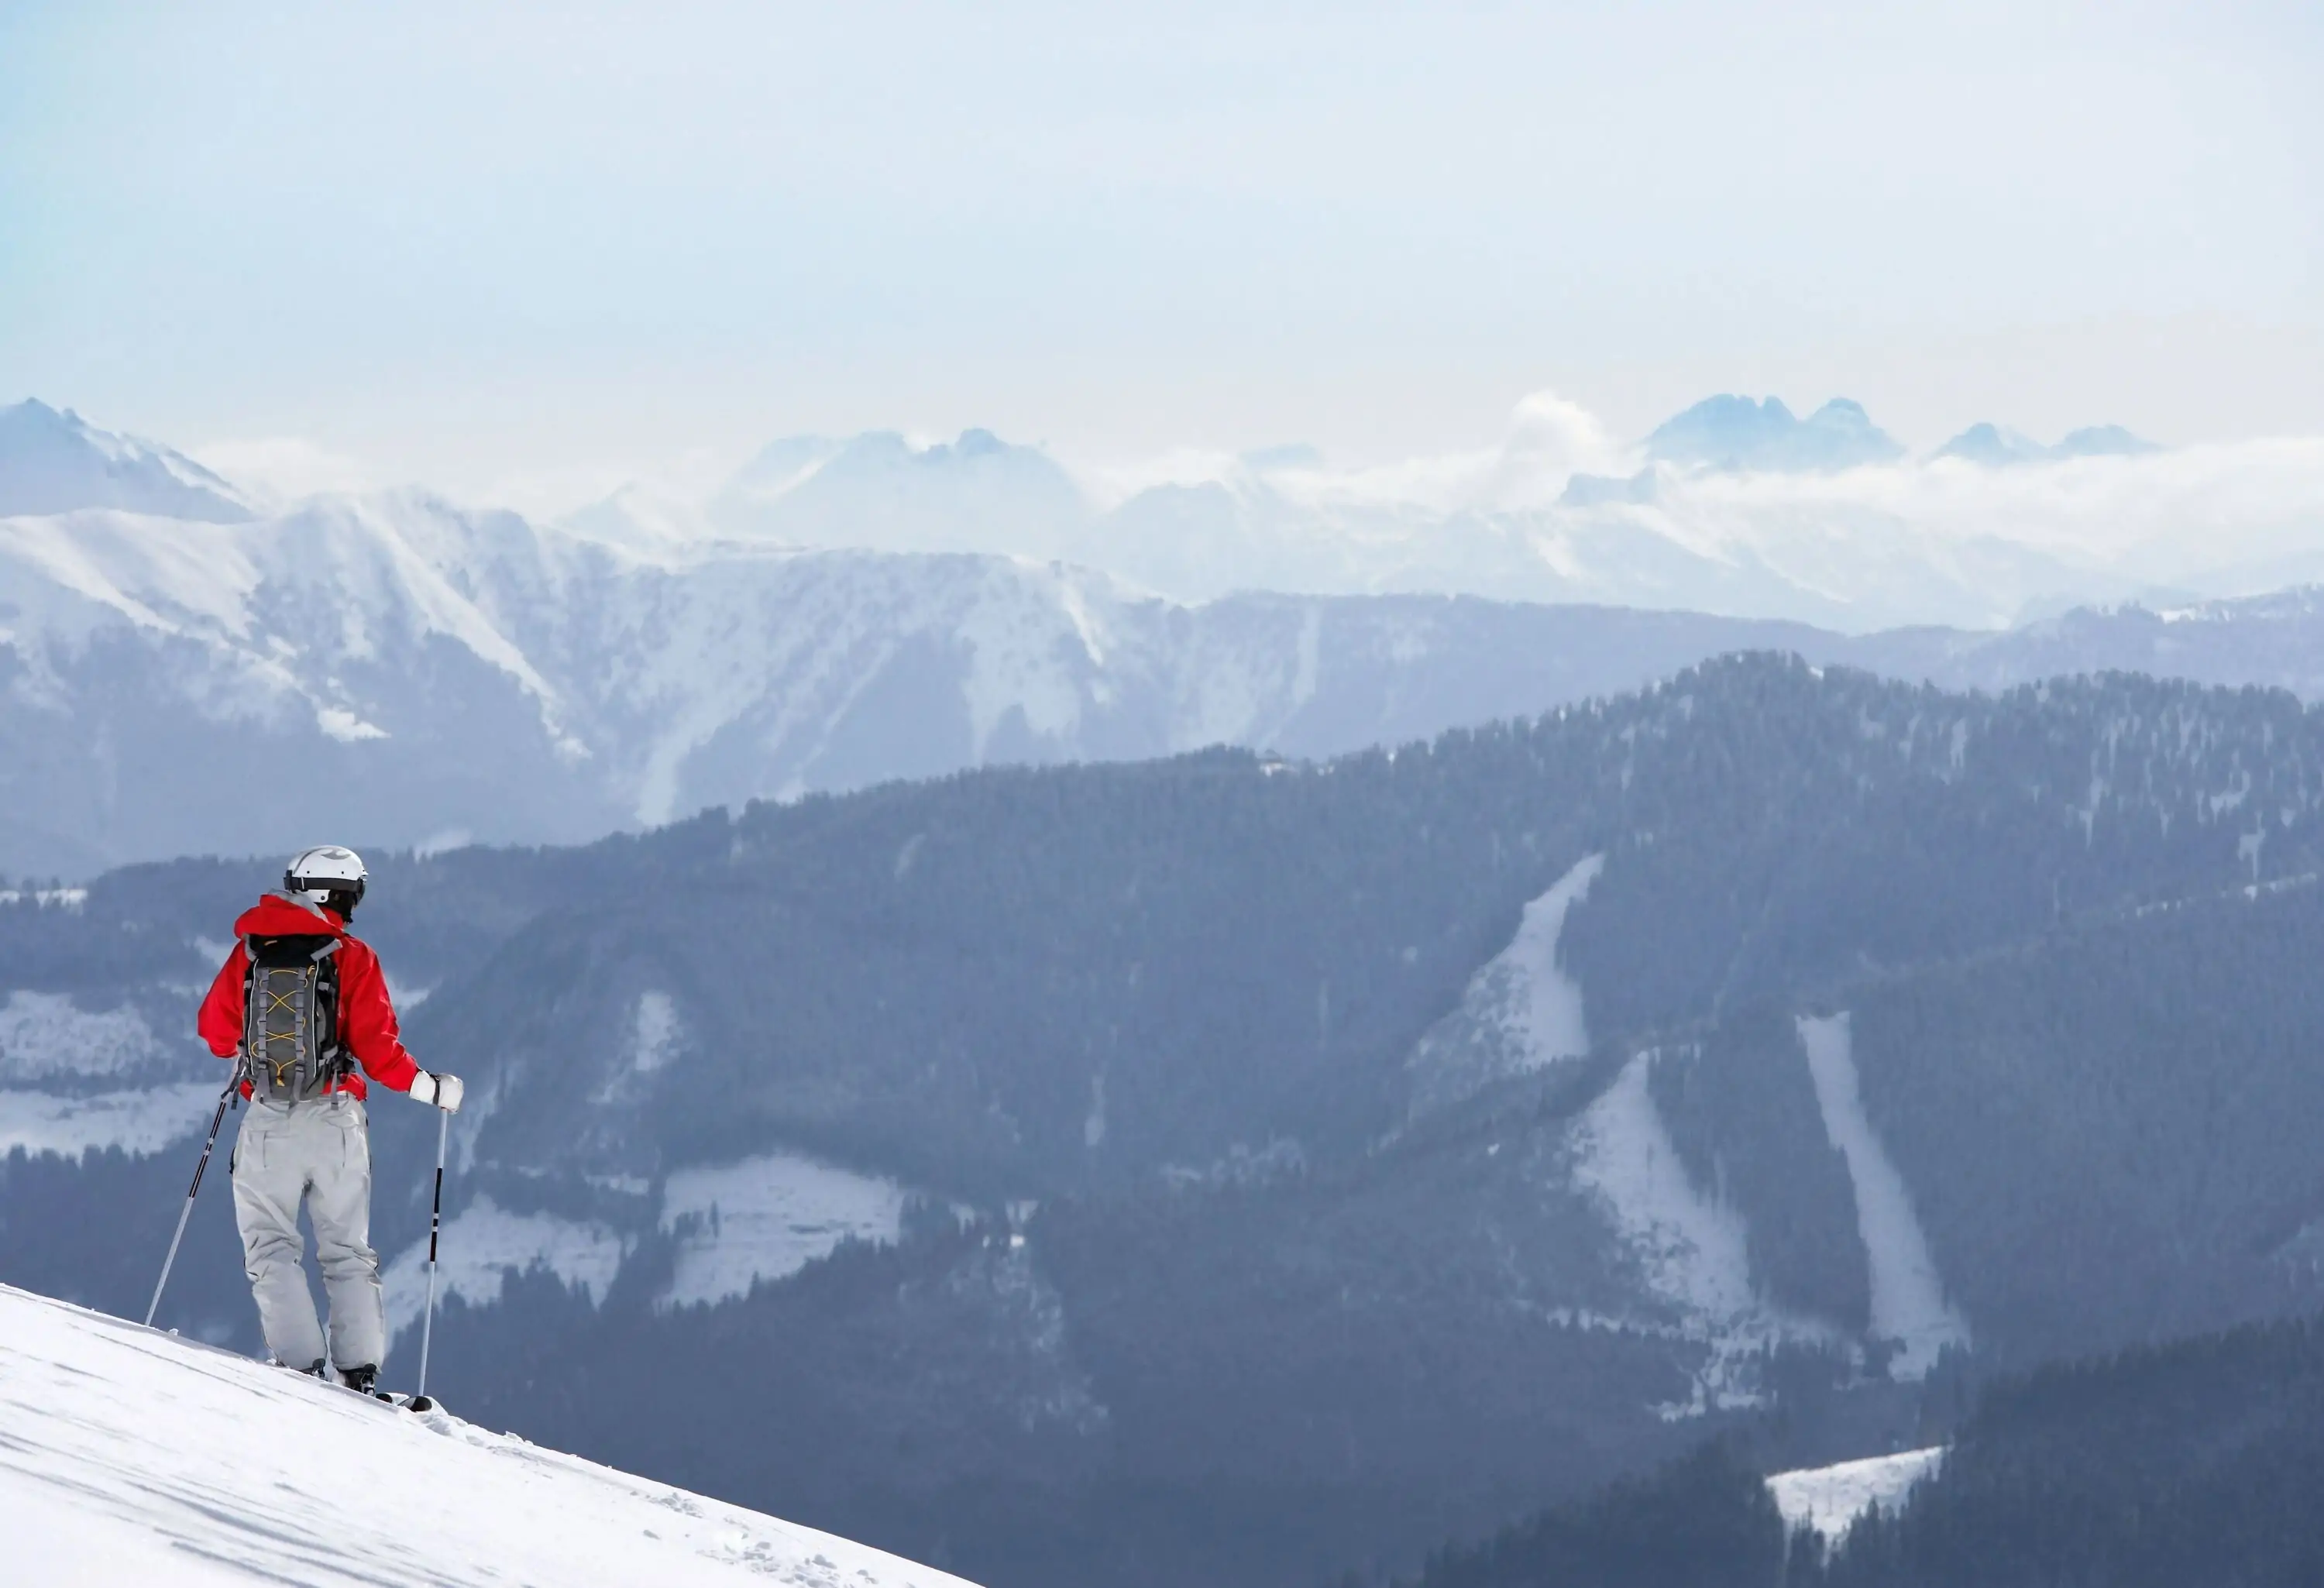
(130, 1456)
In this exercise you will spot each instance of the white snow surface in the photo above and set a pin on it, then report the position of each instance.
(139, 1122)
(1831, 1499)
(1521, 1009)
(768, 1217)
(1908, 1298)
(1691, 1253)
(45, 1034)
(656, 1032)
(479, 1246)
(1551, 1011)
(128, 1455)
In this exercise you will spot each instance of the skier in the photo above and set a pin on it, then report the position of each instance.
(295, 999)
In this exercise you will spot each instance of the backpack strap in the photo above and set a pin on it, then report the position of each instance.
(249, 989)
(336, 1064)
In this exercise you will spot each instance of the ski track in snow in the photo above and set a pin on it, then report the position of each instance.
(481, 1242)
(774, 1214)
(129, 1456)
(1829, 1500)
(1908, 1298)
(140, 1123)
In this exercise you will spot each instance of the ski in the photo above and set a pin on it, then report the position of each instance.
(395, 1399)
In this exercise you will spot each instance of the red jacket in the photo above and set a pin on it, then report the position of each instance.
(366, 1017)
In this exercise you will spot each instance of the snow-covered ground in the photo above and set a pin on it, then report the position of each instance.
(1691, 1251)
(67, 1077)
(46, 1036)
(768, 1217)
(131, 1457)
(482, 1243)
(138, 1123)
(1908, 1298)
(1829, 1500)
(1522, 1010)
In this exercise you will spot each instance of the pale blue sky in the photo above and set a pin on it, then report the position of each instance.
(479, 244)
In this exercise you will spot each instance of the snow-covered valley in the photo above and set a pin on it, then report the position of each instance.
(131, 1457)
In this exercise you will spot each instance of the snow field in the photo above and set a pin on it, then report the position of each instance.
(479, 1246)
(47, 1040)
(1521, 1011)
(1550, 1009)
(762, 1219)
(1693, 1253)
(1830, 1500)
(140, 1123)
(131, 1456)
(45, 1036)
(1908, 1298)
(766, 1218)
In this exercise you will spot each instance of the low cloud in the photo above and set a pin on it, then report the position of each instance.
(1920, 539)
(285, 468)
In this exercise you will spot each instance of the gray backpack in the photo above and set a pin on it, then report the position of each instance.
(290, 1017)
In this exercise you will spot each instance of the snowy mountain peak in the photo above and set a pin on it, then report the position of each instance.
(133, 1456)
(54, 461)
(1998, 446)
(879, 491)
(1732, 432)
(2103, 441)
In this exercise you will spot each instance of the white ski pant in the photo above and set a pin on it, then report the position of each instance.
(318, 1152)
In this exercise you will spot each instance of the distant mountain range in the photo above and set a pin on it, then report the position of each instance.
(1998, 446)
(1675, 533)
(438, 674)
(1729, 432)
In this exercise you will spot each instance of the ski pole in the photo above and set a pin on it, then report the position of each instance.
(232, 1084)
(435, 1226)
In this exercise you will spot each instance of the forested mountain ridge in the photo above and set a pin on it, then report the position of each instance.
(2196, 1462)
(1414, 1135)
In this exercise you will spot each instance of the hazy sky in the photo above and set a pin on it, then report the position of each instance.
(512, 249)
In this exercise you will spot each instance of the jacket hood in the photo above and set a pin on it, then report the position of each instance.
(277, 915)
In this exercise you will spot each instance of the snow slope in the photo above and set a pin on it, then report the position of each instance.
(139, 1122)
(52, 462)
(1908, 1296)
(1830, 1500)
(1521, 1011)
(131, 1456)
(765, 1219)
(75, 1080)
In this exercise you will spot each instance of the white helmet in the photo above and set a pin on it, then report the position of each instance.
(327, 869)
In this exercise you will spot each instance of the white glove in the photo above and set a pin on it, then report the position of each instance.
(444, 1091)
